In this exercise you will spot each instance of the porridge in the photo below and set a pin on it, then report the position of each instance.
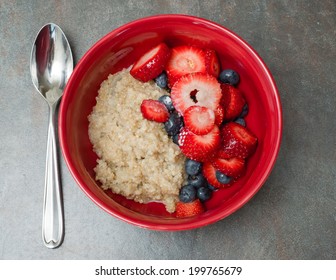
(137, 159)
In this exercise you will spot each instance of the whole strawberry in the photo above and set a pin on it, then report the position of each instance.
(189, 209)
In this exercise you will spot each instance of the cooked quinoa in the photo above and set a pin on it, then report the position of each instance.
(136, 157)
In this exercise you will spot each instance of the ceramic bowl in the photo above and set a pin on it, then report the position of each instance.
(118, 50)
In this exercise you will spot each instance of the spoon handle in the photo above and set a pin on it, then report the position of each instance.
(53, 223)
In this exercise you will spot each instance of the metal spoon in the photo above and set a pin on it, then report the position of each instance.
(51, 65)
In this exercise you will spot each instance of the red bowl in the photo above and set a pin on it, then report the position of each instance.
(119, 49)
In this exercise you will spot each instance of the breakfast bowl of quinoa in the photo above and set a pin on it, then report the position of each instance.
(170, 122)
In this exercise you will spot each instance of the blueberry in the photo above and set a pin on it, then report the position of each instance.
(204, 193)
(187, 193)
(229, 76)
(162, 80)
(211, 187)
(193, 167)
(174, 124)
(222, 178)
(175, 139)
(197, 181)
(241, 121)
(166, 100)
(244, 111)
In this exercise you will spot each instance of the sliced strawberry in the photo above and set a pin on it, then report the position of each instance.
(199, 89)
(232, 101)
(232, 167)
(237, 140)
(209, 173)
(189, 209)
(151, 64)
(219, 115)
(184, 60)
(212, 63)
(199, 147)
(199, 120)
(154, 110)
(222, 154)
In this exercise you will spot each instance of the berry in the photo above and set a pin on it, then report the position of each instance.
(166, 100)
(187, 193)
(175, 139)
(199, 120)
(204, 193)
(154, 110)
(244, 111)
(229, 76)
(222, 178)
(192, 167)
(219, 115)
(174, 124)
(151, 64)
(232, 100)
(241, 121)
(199, 147)
(211, 188)
(212, 63)
(237, 140)
(197, 181)
(199, 89)
(162, 80)
(189, 209)
(232, 167)
(209, 172)
(184, 60)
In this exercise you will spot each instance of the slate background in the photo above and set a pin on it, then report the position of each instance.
(292, 217)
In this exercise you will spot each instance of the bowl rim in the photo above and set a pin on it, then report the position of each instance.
(189, 224)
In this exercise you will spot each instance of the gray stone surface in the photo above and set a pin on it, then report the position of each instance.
(294, 214)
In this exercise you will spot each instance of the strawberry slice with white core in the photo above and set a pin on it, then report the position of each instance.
(237, 140)
(184, 60)
(199, 89)
(151, 64)
(199, 120)
(199, 147)
(212, 63)
(154, 110)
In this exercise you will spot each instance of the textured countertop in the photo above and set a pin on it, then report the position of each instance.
(292, 217)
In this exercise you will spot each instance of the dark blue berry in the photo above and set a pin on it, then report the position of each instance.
(193, 167)
(187, 193)
(175, 139)
(197, 181)
(241, 121)
(211, 187)
(244, 111)
(162, 80)
(222, 178)
(174, 124)
(204, 193)
(166, 100)
(229, 76)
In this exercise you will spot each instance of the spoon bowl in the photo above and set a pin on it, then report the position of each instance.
(51, 61)
(51, 65)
